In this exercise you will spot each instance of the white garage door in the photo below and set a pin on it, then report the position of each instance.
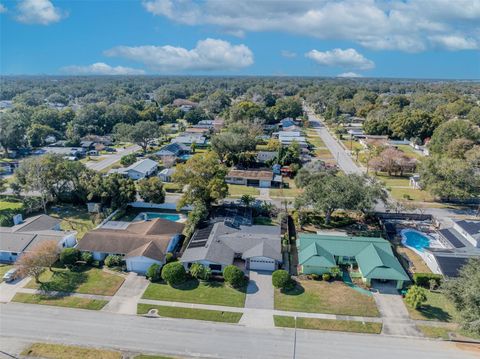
(139, 264)
(262, 264)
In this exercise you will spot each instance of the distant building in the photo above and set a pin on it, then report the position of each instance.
(175, 150)
(188, 139)
(140, 169)
(256, 178)
(166, 174)
(266, 156)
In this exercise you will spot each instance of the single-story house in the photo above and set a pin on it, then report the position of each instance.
(188, 139)
(257, 178)
(166, 174)
(173, 150)
(197, 130)
(141, 243)
(221, 244)
(318, 254)
(140, 169)
(461, 242)
(286, 138)
(28, 233)
(266, 156)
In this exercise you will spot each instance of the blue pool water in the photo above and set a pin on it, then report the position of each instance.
(168, 216)
(416, 240)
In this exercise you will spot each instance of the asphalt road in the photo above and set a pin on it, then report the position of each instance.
(23, 322)
(111, 159)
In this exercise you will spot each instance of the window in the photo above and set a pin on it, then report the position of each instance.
(215, 267)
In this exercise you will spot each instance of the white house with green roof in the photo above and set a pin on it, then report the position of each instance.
(318, 254)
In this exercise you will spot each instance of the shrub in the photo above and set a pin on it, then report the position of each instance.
(113, 261)
(87, 257)
(326, 276)
(173, 273)
(281, 279)
(128, 160)
(199, 271)
(153, 272)
(233, 276)
(423, 279)
(335, 272)
(415, 296)
(69, 256)
(315, 276)
(169, 257)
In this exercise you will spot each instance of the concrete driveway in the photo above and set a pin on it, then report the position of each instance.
(260, 294)
(8, 290)
(126, 299)
(396, 320)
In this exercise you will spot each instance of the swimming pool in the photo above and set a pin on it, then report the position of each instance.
(174, 217)
(415, 239)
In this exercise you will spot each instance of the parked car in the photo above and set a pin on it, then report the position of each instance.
(10, 275)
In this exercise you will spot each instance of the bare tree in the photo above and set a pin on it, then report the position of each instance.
(34, 262)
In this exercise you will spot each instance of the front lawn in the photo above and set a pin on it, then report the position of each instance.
(190, 313)
(326, 297)
(87, 281)
(437, 307)
(70, 302)
(4, 268)
(193, 291)
(435, 332)
(410, 194)
(59, 351)
(74, 218)
(10, 206)
(328, 324)
(236, 190)
(285, 192)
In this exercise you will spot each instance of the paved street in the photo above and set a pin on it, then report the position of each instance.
(111, 159)
(196, 338)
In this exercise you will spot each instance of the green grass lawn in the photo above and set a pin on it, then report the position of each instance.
(74, 218)
(193, 291)
(190, 313)
(59, 351)
(323, 153)
(10, 206)
(236, 190)
(172, 187)
(86, 281)
(328, 324)
(4, 268)
(435, 332)
(413, 194)
(285, 192)
(143, 356)
(393, 181)
(315, 140)
(437, 307)
(71, 302)
(409, 151)
(326, 297)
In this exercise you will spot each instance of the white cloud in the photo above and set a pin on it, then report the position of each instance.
(454, 42)
(2, 9)
(208, 55)
(288, 54)
(376, 24)
(349, 59)
(38, 12)
(101, 68)
(349, 74)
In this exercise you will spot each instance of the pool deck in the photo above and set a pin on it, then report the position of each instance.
(433, 242)
(181, 217)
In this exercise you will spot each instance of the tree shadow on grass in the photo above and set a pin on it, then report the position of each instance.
(434, 313)
(190, 284)
(64, 281)
(297, 290)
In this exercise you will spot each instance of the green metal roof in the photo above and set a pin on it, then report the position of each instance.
(373, 255)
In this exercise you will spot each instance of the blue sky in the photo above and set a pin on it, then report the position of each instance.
(370, 38)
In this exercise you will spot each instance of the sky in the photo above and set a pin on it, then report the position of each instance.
(437, 39)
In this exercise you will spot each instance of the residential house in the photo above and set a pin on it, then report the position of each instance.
(415, 181)
(197, 131)
(173, 150)
(28, 233)
(166, 174)
(140, 169)
(141, 243)
(286, 138)
(461, 242)
(318, 254)
(251, 247)
(257, 178)
(188, 139)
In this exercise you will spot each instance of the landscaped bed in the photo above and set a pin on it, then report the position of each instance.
(193, 291)
(326, 297)
(437, 307)
(59, 351)
(71, 302)
(328, 324)
(86, 280)
(190, 313)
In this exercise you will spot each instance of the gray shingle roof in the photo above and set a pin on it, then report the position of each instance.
(143, 166)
